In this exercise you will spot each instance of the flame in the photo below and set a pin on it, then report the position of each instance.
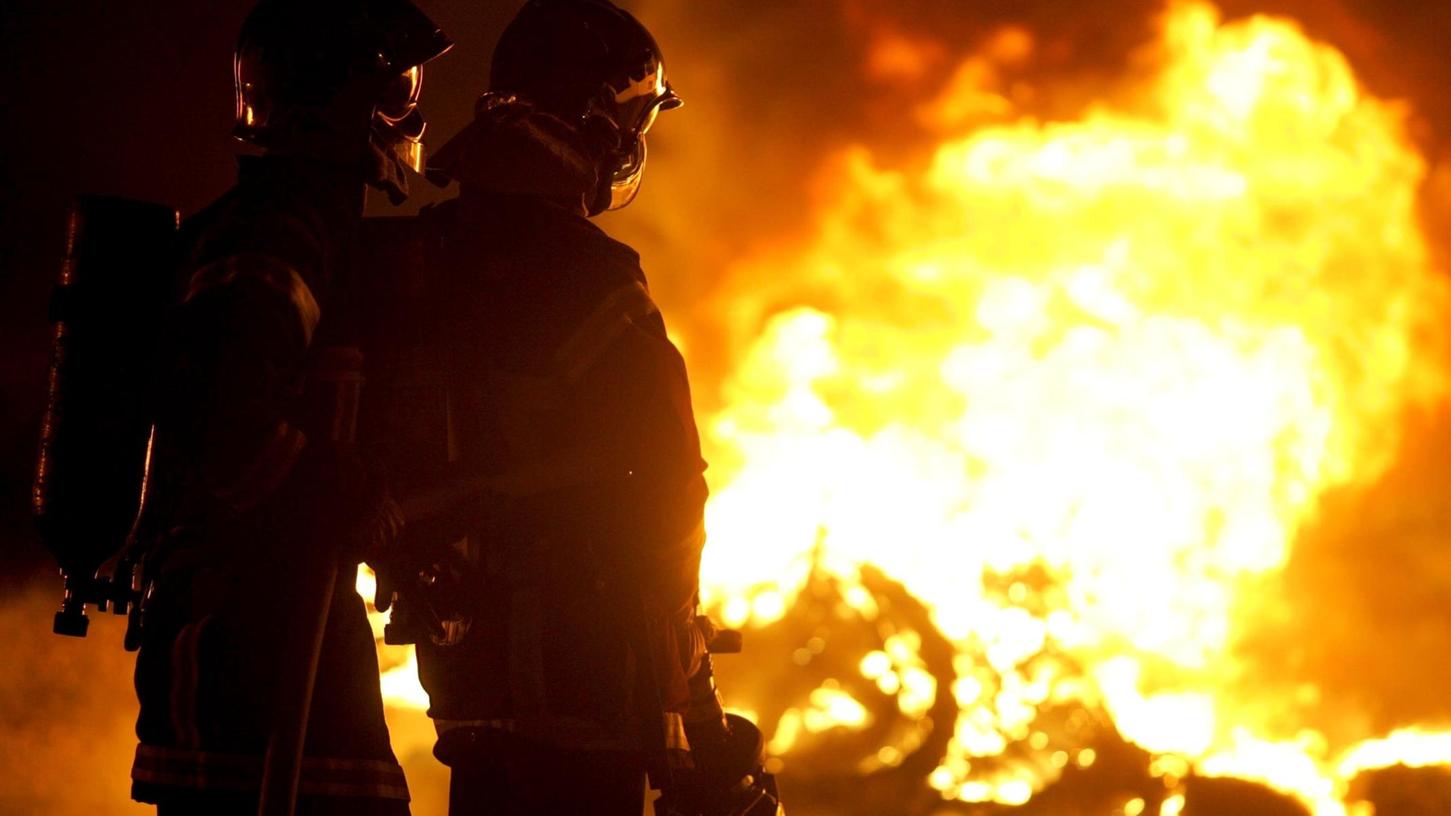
(398, 664)
(1123, 355)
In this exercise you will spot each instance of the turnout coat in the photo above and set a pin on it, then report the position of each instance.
(254, 478)
(563, 383)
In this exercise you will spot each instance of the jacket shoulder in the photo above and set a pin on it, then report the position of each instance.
(243, 222)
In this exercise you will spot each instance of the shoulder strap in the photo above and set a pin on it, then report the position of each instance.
(526, 393)
(597, 332)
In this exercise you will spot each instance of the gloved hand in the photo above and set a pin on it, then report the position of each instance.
(403, 552)
(379, 531)
(342, 492)
(428, 586)
(385, 585)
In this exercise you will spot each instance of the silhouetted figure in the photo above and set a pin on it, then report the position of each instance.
(265, 508)
(571, 666)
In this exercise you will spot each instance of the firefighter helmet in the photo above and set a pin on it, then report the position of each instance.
(595, 66)
(296, 62)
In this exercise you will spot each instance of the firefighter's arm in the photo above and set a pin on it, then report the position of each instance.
(245, 336)
(244, 330)
(631, 410)
(640, 401)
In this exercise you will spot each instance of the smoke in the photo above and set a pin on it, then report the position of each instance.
(66, 712)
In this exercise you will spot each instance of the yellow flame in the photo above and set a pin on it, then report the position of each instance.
(1129, 352)
(398, 664)
(1411, 747)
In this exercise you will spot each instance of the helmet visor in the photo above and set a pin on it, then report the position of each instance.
(666, 101)
(625, 182)
(399, 97)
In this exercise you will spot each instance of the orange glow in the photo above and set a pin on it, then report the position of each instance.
(896, 58)
(1129, 352)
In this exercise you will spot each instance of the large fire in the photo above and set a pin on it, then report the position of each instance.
(1075, 387)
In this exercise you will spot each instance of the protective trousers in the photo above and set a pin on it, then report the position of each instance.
(498, 774)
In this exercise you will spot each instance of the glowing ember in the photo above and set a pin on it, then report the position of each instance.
(1076, 387)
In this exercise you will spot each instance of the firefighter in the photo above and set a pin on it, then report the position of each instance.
(568, 673)
(257, 491)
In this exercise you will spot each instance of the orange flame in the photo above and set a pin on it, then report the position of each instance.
(1129, 352)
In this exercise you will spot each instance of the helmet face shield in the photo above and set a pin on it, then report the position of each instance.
(639, 105)
(667, 101)
(625, 183)
(399, 96)
(253, 105)
(397, 119)
(404, 138)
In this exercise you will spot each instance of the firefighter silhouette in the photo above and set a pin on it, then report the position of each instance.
(252, 638)
(552, 559)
